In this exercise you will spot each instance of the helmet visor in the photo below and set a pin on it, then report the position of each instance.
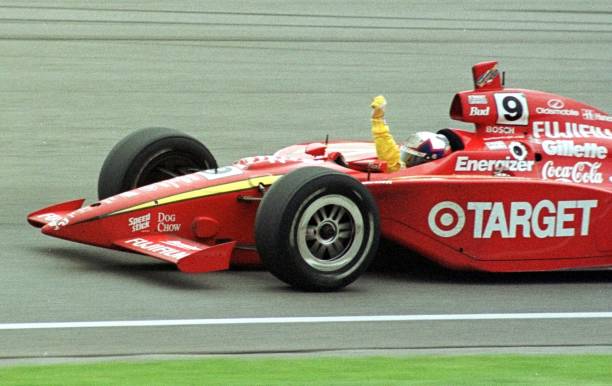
(411, 157)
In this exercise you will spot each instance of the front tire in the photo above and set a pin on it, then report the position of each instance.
(151, 155)
(317, 229)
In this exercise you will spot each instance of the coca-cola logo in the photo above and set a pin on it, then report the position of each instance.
(581, 173)
(556, 104)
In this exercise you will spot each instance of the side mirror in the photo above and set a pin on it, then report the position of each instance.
(315, 149)
(370, 166)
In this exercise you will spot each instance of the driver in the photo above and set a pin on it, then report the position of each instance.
(420, 147)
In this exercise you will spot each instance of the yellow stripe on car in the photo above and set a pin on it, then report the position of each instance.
(203, 192)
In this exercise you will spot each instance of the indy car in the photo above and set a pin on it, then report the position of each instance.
(528, 190)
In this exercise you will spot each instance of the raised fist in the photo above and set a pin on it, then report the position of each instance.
(378, 107)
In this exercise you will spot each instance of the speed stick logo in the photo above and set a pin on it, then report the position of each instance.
(543, 219)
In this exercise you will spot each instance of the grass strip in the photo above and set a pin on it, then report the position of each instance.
(327, 370)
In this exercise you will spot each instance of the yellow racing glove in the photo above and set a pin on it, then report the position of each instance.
(386, 148)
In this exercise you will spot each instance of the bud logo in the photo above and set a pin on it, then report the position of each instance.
(140, 223)
(475, 111)
(544, 219)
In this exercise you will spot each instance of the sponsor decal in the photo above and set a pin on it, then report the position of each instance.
(477, 99)
(446, 219)
(49, 217)
(140, 223)
(487, 77)
(518, 150)
(512, 109)
(581, 173)
(465, 164)
(591, 115)
(554, 129)
(129, 194)
(167, 223)
(173, 183)
(161, 249)
(496, 145)
(550, 111)
(59, 223)
(476, 112)
(543, 219)
(246, 162)
(500, 130)
(215, 174)
(54, 220)
(555, 104)
(182, 245)
(568, 148)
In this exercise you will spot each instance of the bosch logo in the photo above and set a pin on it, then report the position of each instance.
(446, 219)
(556, 104)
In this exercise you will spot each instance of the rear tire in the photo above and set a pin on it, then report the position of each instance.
(151, 155)
(317, 229)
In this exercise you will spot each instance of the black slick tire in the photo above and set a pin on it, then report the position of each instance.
(151, 155)
(317, 229)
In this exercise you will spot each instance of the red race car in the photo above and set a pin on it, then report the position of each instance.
(529, 190)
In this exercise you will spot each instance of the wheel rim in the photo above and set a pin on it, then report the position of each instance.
(330, 233)
(165, 165)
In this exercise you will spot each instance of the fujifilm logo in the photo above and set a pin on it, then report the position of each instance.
(554, 129)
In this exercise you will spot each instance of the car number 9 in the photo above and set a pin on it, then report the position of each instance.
(512, 109)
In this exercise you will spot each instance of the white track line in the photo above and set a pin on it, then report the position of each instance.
(305, 319)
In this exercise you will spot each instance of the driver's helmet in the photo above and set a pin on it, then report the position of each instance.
(423, 146)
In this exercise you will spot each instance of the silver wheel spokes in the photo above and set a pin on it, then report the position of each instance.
(330, 232)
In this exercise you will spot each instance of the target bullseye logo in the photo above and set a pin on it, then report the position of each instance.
(446, 219)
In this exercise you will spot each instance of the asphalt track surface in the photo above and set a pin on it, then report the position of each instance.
(248, 78)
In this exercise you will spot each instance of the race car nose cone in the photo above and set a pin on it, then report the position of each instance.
(64, 230)
(86, 232)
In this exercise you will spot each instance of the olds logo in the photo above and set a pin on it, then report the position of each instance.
(556, 107)
(556, 104)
